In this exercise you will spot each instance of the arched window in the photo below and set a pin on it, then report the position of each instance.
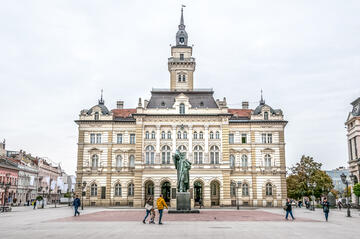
(201, 135)
(179, 135)
(232, 161)
(163, 135)
(266, 115)
(147, 135)
(131, 190)
(118, 190)
(198, 154)
(195, 135)
(267, 160)
(245, 189)
(182, 108)
(165, 154)
(179, 78)
(132, 161)
(185, 135)
(217, 135)
(94, 161)
(153, 135)
(244, 161)
(149, 155)
(118, 161)
(93, 190)
(233, 189)
(182, 149)
(211, 135)
(96, 116)
(269, 191)
(214, 154)
(169, 134)
(184, 78)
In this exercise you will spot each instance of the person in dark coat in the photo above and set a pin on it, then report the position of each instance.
(326, 208)
(76, 204)
(288, 209)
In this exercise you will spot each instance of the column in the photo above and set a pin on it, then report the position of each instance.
(190, 137)
(206, 136)
(174, 138)
(157, 152)
(109, 169)
(80, 161)
(138, 164)
(253, 168)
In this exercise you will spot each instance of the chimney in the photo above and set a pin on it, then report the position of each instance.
(245, 105)
(120, 104)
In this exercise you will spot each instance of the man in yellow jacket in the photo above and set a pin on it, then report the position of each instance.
(160, 205)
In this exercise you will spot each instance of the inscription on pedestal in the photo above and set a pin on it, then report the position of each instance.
(183, 201)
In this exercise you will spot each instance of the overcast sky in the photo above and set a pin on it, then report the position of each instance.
(56, 56)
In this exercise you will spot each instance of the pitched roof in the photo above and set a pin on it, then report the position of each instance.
(240, 112)
(197, 99)
(123, 113)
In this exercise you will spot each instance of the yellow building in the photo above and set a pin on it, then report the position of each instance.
(125, 155)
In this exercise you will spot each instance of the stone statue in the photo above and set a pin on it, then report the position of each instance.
(182, 166)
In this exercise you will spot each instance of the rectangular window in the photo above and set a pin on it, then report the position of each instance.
(92, 138)
(243, 138)
(103, 192)
(269, 137)
(119, 138)
(132, 138)
(350, 150)
(182, 57)
(98, 138)
(263, 138)
(231, 138)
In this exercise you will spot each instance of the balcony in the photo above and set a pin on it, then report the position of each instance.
(178, 60)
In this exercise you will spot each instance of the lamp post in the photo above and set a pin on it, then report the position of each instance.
(312, 186)
(237, 192)
(82, 187)
(346, 182)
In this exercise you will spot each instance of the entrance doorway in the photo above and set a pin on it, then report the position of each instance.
(198, 193)
(215, 193)
(166, 192)
(149, 190)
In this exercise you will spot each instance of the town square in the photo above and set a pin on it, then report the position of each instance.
(180, 119)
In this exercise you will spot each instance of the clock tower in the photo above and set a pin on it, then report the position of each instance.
(181, 64)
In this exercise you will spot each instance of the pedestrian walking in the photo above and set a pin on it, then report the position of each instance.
(288, 209)
(326, 208)
(34, 204)
(160, 205)
(152, 217)
(339, 204)
(148, 207)
(76, 204)
(300, 203)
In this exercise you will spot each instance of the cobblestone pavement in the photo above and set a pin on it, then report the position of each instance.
(98, 223)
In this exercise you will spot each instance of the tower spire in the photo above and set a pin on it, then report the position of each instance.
(182, 16)
(101, 101)
(262, 101)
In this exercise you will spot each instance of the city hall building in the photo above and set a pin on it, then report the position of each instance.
(237, 155)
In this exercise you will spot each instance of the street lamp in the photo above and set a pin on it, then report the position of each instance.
(346, 182)
(82, 193)
(312, 186)
(237, 192)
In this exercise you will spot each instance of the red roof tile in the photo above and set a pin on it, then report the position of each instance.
(240, 112)
(123, 113)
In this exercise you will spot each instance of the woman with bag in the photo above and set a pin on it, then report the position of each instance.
(326, 208)
(288, 209)
(148, 207)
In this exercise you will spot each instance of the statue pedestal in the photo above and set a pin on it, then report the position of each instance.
(183, 203)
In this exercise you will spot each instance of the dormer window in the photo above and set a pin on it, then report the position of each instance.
(266, 116)
(162, 103)
(182, 108)
(96, 116)
(181, 40)
(201, 103)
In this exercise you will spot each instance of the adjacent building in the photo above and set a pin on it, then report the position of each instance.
(9, 174)
(125, 154)
(335, 176)
(353, 136)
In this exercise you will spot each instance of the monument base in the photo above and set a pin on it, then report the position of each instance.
(183, 201)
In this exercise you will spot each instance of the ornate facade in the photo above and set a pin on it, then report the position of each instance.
(125, 155)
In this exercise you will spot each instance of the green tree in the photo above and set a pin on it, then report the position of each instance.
(356, 189)
(347, 191)
(307, 179)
